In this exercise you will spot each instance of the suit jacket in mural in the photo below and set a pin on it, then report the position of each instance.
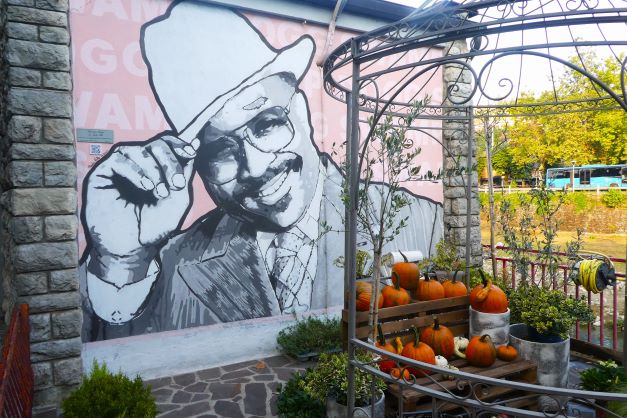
(214, 271)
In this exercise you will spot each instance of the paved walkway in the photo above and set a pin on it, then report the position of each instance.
(238, 390)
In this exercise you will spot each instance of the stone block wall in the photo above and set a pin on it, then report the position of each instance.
(456, 134)
(38, 204)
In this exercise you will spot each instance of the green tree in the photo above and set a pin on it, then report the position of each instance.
(585, 136)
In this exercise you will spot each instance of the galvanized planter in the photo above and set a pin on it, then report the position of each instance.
(336, 410)
(495, 325)
(552, 358)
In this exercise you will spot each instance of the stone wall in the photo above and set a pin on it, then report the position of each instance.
(458, 84)
(39, 215)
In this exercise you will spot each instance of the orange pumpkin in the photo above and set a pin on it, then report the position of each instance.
(385, 365)
(453, 288)
(440, 338)
(506, 352)
(364, 293)
(418, 351)
(406, 273)
(430, 289)
(396, 373)
(480, 351)
(394, 295)
(488, 298)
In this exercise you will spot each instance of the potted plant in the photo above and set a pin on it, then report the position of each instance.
(446, 262)
(310, 337)
(606, 376)
(542, 321)
(328, 383)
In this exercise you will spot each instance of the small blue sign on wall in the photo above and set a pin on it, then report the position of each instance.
(94, 135)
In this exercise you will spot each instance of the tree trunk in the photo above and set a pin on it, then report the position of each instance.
(488, 138)
(373, 316)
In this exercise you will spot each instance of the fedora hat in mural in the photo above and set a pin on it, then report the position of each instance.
(200, 56)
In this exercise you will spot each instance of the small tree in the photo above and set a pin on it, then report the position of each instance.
(387, 162)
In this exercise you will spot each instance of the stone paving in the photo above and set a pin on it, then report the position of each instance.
(238, 390)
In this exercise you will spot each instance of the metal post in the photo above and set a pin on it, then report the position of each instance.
(351, 223)
(489, 142)
(471, 129)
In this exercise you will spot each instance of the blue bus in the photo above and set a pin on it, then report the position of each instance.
(588, 176)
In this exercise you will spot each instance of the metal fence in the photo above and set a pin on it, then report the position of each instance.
(537, 275)
(474, 395)
(16, 373)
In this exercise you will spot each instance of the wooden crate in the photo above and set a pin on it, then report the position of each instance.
(452, 312)
(517, 370)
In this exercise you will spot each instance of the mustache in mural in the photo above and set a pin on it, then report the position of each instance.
(252, 187)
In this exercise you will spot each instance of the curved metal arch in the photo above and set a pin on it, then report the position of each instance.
(476, 20)
(428, 28)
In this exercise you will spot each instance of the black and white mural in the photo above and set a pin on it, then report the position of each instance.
(240, 122)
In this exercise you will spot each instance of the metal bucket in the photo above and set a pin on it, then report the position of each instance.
(552, 358)
(495, 325)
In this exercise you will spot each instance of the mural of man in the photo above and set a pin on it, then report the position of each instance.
(241, 123)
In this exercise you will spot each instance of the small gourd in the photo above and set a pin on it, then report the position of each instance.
(441, 361)
(460, 344)
(450, 376)
(396, 373)
(506, 352)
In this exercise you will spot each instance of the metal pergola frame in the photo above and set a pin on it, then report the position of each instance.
(437, 27)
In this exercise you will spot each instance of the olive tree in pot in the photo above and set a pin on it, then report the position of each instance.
(387, 163)
(328, 383)
(542, 321)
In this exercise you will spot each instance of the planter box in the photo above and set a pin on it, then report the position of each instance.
(495, 325)
(552, 358)
(452, 312)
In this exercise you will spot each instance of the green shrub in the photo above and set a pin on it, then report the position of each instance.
(311, 335)
(603, 378)
(550, 312)
(294, 402)
(613, 198)
(330, 379)
(106, 395)
(618, 407)
(579, 200)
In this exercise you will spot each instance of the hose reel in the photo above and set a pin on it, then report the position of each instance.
(594, 273)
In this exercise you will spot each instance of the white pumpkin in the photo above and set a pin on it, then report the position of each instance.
(450, 376)
(441, 361)
(460, 344)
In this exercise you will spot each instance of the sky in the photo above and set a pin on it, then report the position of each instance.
(533, 74)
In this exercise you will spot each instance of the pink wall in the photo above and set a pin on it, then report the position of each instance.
(111, 89)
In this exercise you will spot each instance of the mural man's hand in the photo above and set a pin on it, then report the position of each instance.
(137, 196)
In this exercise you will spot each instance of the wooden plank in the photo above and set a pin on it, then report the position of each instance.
(495, 392)
(412, 308)
(498, 370)
(445, 318)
